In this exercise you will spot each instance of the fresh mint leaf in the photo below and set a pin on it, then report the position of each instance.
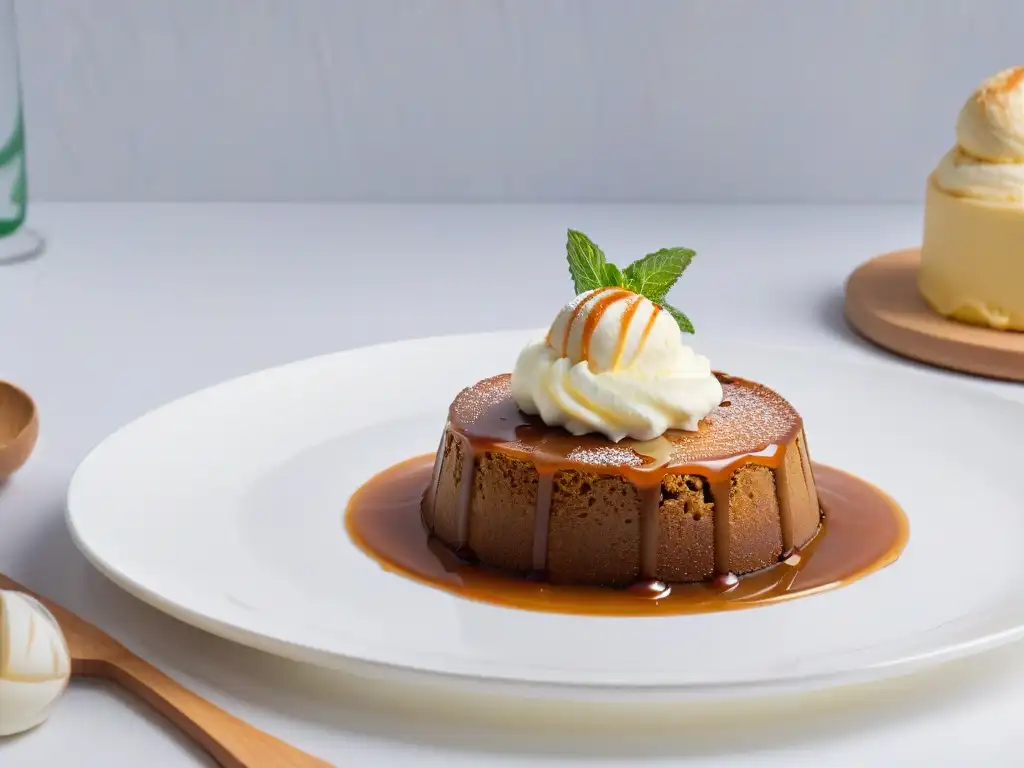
(613, 276)
(655, 274)
(681, 320)
(652, 276)
(587, 263)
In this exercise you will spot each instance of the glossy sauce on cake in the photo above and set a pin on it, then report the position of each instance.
(863, 531)
(732, 497)
(614, 470)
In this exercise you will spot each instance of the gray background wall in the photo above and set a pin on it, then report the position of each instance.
(395, 100)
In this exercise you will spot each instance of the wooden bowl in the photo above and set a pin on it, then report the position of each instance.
(19, 428)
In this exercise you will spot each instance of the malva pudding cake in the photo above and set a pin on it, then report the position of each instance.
(614, 456)
(733, 497)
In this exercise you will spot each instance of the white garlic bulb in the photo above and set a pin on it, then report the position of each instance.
(35, 663)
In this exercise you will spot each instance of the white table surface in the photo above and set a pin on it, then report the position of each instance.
(134, 305)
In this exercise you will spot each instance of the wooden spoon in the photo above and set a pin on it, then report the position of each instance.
(230, 741)
(19, 428)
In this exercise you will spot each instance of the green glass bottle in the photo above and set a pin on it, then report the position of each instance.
(12, 170)
(17, 242)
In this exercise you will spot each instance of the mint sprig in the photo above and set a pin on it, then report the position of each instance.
(614, 276)
(587, 263)
(655, 274)
(652, 276)
(681, 320)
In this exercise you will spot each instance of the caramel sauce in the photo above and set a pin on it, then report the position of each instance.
(862, 531)
(541, 521)
(624, 322)
(646, 332)
(581, 302)
(602, 299)
(594, 317)
(485, 418)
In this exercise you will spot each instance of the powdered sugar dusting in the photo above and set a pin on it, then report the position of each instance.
(751, 418)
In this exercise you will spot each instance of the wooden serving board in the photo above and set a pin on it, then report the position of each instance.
(883, 305)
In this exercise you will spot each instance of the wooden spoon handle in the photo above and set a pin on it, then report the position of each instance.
(232, 742)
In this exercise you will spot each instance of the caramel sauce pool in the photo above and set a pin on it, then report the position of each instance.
(863, 530)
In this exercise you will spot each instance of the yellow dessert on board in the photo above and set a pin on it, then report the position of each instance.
(972, 255)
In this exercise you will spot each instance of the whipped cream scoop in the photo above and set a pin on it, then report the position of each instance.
(614, 362)
(987, 162)
(35, 663)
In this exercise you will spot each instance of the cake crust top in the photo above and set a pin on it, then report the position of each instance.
(752, 419)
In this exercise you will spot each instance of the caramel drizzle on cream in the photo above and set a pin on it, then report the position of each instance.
(609, 295)
(627, 319)
(594, 317)
(576, 310)
(646, 332)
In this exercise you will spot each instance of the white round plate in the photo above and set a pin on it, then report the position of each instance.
(225, 510)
